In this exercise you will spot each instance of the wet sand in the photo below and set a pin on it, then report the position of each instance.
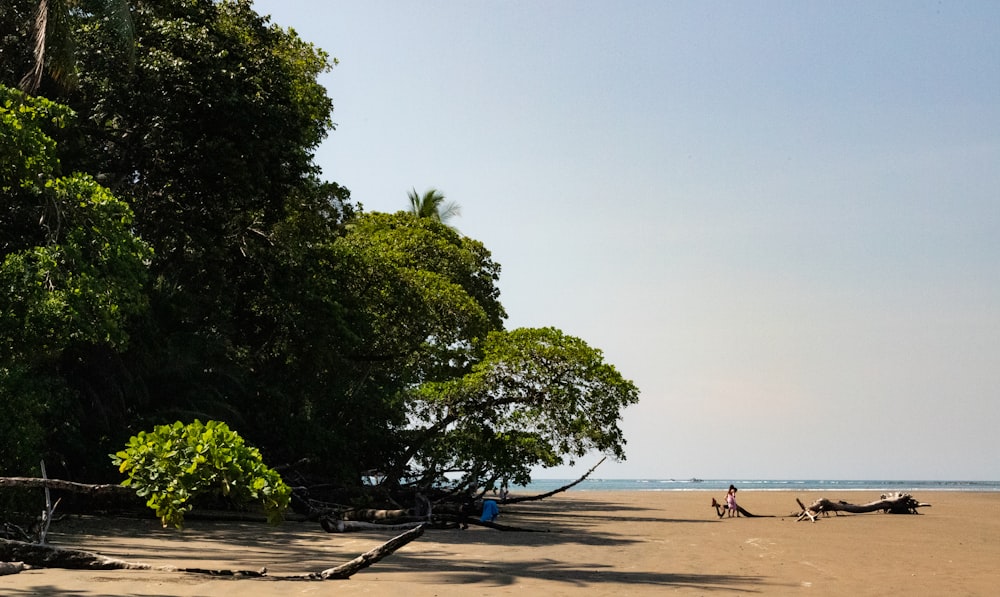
(594, 543)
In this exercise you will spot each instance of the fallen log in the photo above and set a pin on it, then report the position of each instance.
(331, 525)
(11, 568)
(373, 514)
(106, 489)
(47, 556)
(893, 503)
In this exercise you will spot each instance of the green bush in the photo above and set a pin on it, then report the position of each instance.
(175, 463)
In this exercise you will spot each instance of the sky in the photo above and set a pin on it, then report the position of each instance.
(781, 220)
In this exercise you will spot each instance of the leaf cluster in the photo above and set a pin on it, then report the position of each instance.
(71, 266)
(174, 464)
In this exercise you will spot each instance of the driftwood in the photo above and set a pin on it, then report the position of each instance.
(372, 514)
(331, 525)
(893, 503)
(46, 556)
(11, 567)
(720, 509)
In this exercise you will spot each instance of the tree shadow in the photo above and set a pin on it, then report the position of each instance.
(302, 548)
(452, 571)
(52, 591)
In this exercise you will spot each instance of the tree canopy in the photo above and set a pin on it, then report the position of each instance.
(171, 253)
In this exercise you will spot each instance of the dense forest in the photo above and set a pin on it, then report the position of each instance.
(169, 251)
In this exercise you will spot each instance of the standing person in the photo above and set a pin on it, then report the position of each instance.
(731, 502)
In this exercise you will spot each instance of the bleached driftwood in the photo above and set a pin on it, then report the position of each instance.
(11, 568)
(331, 525)
(892, 503)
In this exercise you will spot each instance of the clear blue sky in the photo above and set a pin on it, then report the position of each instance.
(780, 219)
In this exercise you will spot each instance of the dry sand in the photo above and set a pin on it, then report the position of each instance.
(614, 543)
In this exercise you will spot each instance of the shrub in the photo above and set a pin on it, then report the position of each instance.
(175, 463)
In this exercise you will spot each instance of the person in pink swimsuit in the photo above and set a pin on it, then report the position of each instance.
(734, 510)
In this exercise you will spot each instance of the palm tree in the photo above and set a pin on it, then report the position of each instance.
(54, 47)
(431, 205)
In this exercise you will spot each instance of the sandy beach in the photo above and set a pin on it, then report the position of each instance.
(594, 543)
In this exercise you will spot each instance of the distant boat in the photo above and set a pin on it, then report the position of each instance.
(696, 480)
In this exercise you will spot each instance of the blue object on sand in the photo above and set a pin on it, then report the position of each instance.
(490, 511)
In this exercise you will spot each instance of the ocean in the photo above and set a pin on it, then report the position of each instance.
(546, 485)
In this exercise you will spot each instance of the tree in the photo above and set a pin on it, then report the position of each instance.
(425, 289)
(72, 269)
(53, 47)
(431, 205)
(198, 267)
(413, 297)
(535, 397)
(210, 138)
(217, 169)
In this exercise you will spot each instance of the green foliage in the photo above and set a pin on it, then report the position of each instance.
(29, 400)
(27, 150)
(427, 293)
(173, 464)
(71, 267)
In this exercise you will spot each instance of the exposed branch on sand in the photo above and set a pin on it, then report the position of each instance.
(542, 496)
(503, 527)
(893, 503)
(46, 556)
(370, 557)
